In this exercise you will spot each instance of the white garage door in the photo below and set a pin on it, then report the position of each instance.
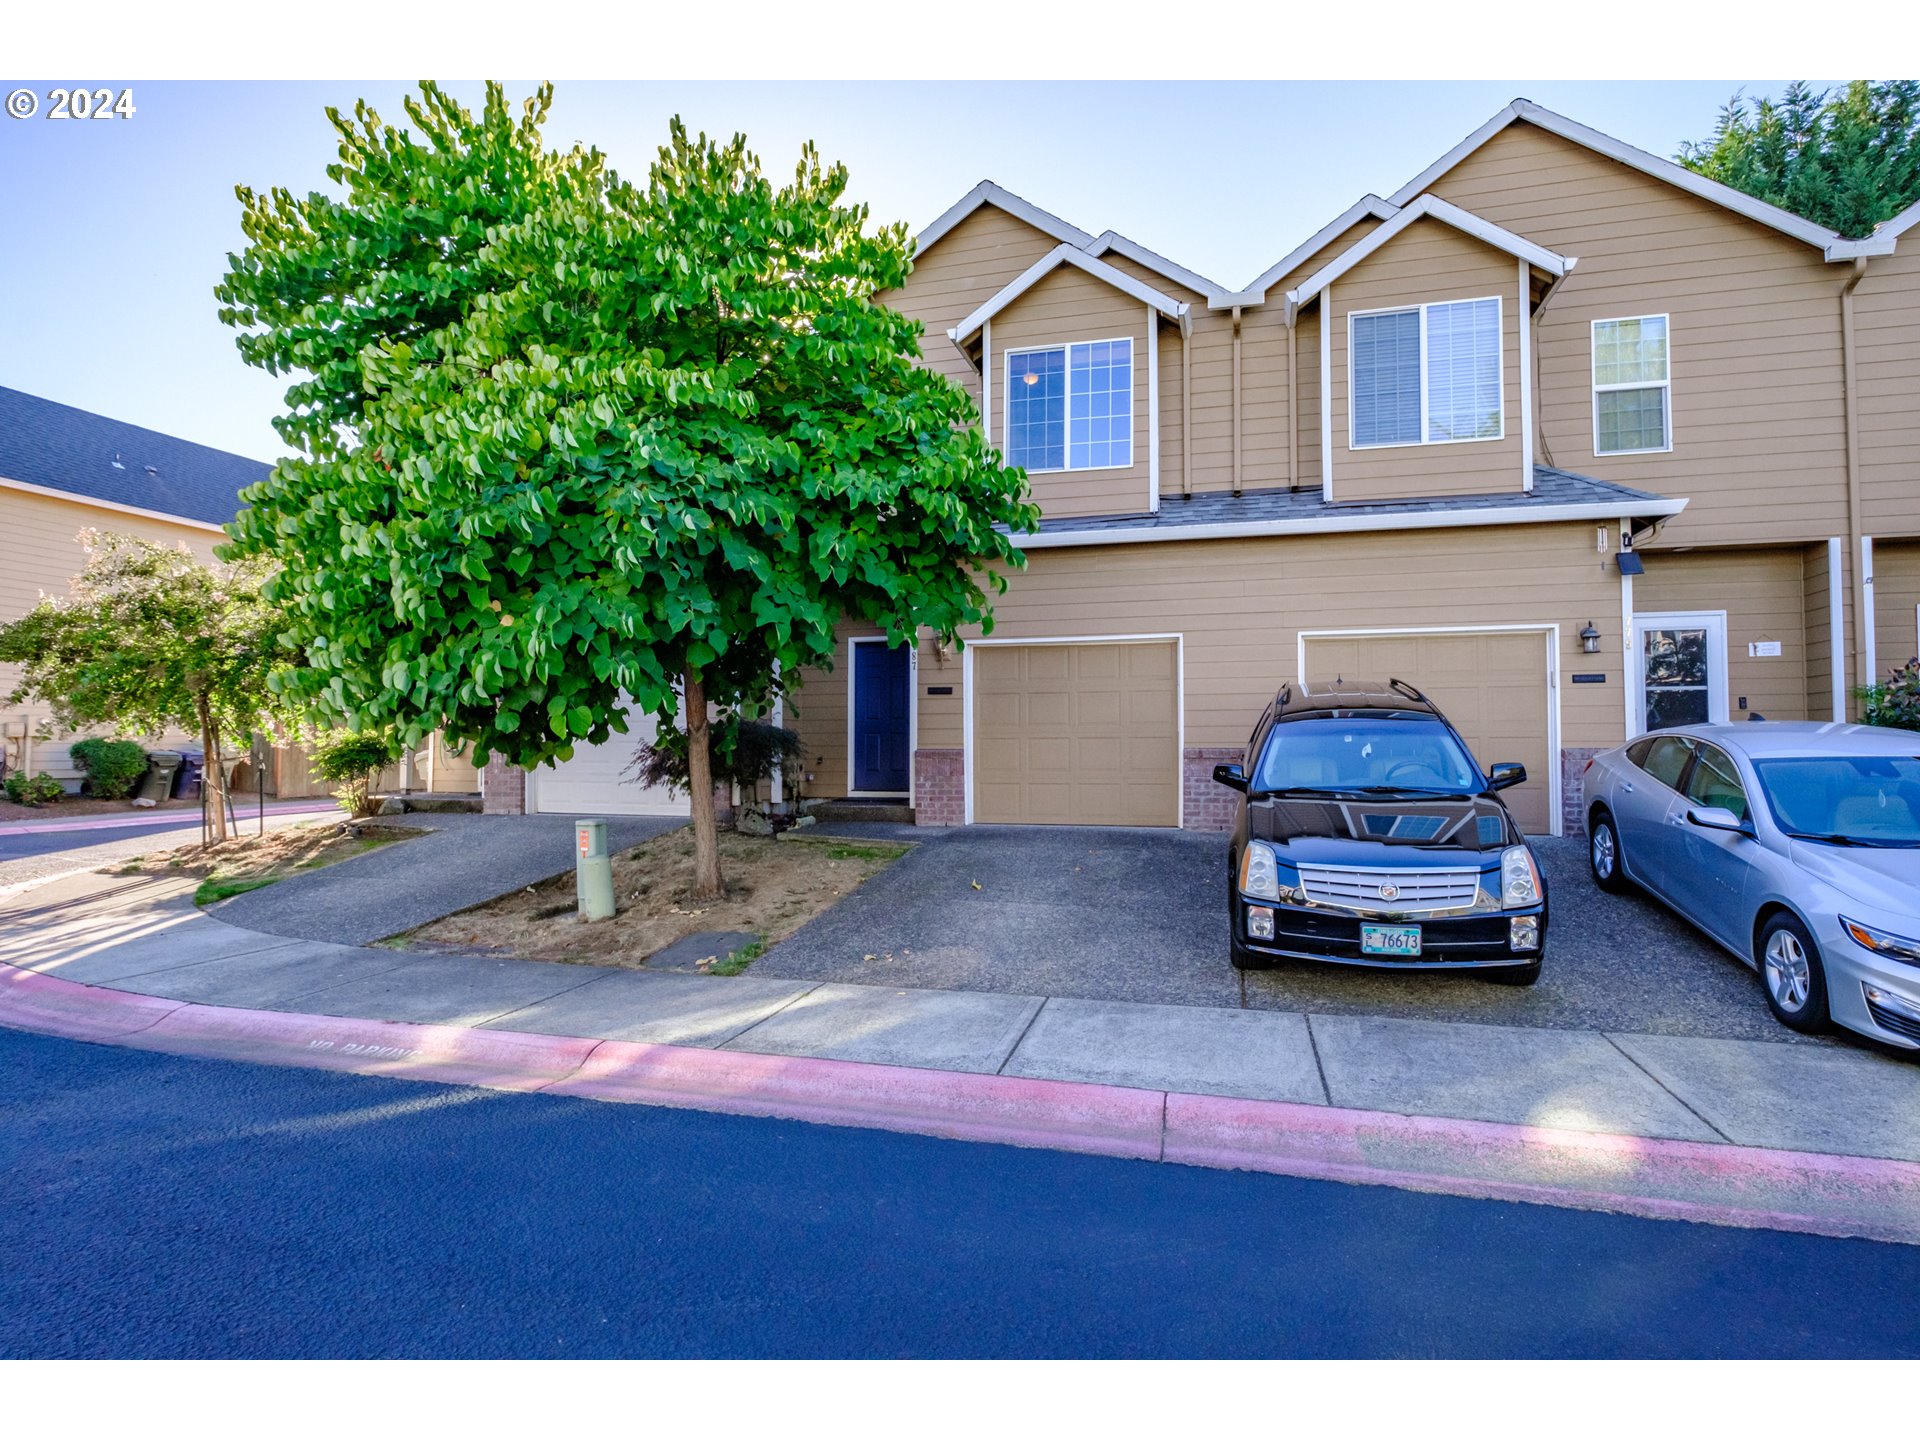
(593, 782)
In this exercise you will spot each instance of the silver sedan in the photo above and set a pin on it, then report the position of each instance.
(1794, 844)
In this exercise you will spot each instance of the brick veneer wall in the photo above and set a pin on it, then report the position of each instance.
(1206, 805)
(1573, 787)
(503, 788)
(939, 787)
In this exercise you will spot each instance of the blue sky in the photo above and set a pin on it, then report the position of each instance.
(117, 232)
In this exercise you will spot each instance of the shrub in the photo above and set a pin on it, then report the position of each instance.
(353, 758)
(41, 789)
(113, 767)
(744, 753)
(1895, 701)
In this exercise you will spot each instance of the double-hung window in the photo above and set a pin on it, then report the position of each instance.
(1071, 407)
(1632, 403)
(1426, 375)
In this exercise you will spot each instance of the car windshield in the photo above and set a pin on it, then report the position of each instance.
(1366, 754)
(1846, 799)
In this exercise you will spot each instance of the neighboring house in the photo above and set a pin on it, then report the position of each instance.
(64, 470)
(1576, 441)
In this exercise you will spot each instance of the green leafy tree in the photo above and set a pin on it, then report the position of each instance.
(351, 761)
(564, 438)
(151, 639)
(1846, 158)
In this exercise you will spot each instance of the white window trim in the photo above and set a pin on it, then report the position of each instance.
(1665, 386)
(1500, 320)
(853, 715)
(1550, 631)
(1714, 622)
(1006, 380)
(1179, 642)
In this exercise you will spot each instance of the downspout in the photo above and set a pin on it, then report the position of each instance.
(1863, 582)
(1236, 400)
(1546, 298)
(1186, 407)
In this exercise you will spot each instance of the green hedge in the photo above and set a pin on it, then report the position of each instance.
(41, 789)
(113, 767)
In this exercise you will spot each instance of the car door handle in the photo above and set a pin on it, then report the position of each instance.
(1676, 820)
(1627, 785)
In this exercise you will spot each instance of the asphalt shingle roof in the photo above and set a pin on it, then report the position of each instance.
(61, 448)
(1551, 487)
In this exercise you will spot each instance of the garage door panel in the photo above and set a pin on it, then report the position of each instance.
(1491, 685)
(1080, 734)
(594, 781)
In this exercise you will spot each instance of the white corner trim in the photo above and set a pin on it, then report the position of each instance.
(1326, 393)
(1434, 208)
(1867, 637)
(1629, 659)
(1167, 269)
(986, 382)
(1673, 174)
(1153, 410)
(1344, 524)
(1255, 293)
(1837, 623)
(1523, 316)
(988, 193)
(1065, 255)
(27, 488)
(1550, 631)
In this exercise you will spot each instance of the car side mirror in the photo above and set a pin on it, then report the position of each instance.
(1506, 774)
(1712, 817)
(1231, 776)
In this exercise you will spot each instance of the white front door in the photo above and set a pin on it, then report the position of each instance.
(1678, 669)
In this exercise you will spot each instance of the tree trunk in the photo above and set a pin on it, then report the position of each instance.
(213, 796)
(707, 881)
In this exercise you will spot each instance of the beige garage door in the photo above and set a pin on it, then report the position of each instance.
(1491, 685)
(1076, 734)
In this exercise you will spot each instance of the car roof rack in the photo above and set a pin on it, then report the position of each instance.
(1408, 691)
(1283, 694)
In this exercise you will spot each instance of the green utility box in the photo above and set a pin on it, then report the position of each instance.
(593, 870)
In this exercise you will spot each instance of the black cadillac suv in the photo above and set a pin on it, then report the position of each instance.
(1369, 836)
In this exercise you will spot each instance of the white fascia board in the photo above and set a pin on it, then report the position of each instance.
(1865, 248)
(1078, 258)
(26, 487)
(1648, 164)
(1434, 208)
(1255, 293)
(1113, 240)
(1606, 510)
(988, 193)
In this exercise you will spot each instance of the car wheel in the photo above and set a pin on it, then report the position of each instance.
(1791, 974)
(1603, 854)
(1515, 974)
(1244, 959)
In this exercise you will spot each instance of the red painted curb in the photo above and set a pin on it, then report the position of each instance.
(75, 1012)
(1057, 1114)
(1685, 1179)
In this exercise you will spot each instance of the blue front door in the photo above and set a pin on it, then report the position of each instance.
(881, 697)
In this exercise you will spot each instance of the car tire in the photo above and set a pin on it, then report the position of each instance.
(1244, 959)
(1603, 853)
(1791, 975)
(1516, 974)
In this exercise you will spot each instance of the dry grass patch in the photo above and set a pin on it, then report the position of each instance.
(773, 888)
(248, 862)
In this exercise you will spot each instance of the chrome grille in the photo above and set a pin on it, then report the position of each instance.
(1361, 889)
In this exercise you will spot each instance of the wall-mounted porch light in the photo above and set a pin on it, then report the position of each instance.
(1590, 639)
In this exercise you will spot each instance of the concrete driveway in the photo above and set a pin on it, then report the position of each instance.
(1141, 915)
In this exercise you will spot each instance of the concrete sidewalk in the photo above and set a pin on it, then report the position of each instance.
(1711, 1101)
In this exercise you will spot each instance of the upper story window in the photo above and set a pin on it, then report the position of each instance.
(1632, 407)
(1426, 375)
(1070, 407)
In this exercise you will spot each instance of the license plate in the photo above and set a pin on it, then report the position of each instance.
(1389, 939)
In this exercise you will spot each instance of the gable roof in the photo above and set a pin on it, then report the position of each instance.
(1831, 242)
(988, 193)
(1078, 258)
(1168, 269)
(57, 449)
(1255, 293)
(1429, 207)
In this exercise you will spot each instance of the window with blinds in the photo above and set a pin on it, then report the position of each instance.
(1426, 375)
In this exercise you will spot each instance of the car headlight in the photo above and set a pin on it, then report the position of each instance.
(1259, 871)
(1519, 879)
(1880, 942)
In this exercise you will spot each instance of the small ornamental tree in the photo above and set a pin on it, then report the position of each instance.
(151, 639)
(565, 438)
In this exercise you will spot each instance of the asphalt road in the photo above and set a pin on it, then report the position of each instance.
(161, 1207)
(36, 855)
(1141, 915)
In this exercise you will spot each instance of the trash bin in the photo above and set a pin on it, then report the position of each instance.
(163, 767)
(187, 782)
